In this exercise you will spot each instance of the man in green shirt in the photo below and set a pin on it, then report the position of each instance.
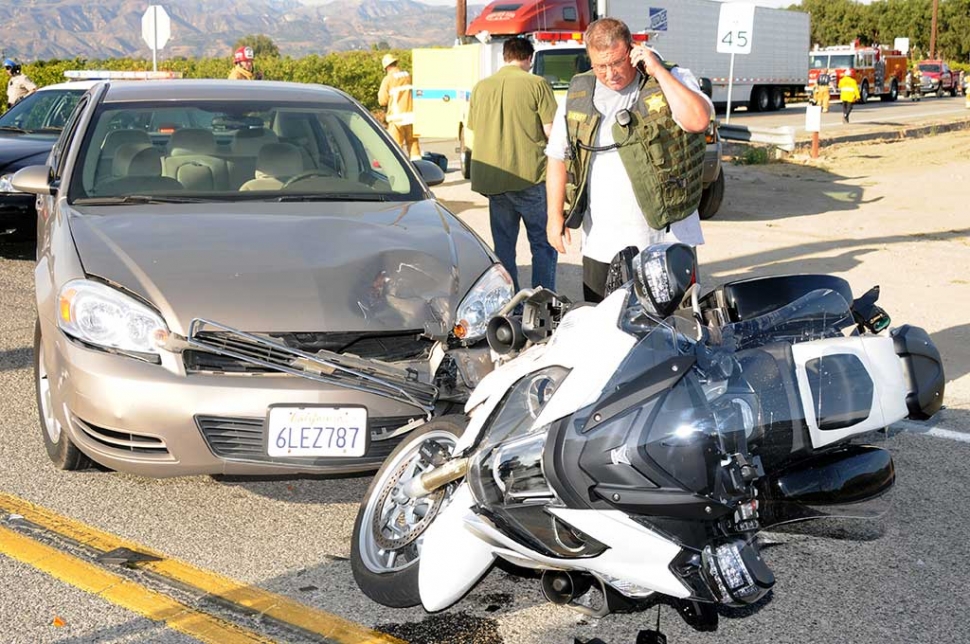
(511, 115)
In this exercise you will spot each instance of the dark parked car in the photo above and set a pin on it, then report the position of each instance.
(27, 133)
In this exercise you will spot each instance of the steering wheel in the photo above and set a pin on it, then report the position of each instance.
(309, 174)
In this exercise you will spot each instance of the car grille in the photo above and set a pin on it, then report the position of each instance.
(123, 441)
(378, 377)
(242, 439)
(386, 347)
(389, 347)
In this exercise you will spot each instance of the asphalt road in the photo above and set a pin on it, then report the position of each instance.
(875, 113)
(900, 578)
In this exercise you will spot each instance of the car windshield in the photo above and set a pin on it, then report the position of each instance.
(929, 67)
(558, 67)
(224, 151)
(43, 111)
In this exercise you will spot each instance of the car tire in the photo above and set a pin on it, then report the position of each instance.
(397, 587)
(712, 197)
(63, 453)
(864, 92)
(464, 157)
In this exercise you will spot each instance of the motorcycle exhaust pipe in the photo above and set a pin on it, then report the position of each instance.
(562, 587)
(422, 486)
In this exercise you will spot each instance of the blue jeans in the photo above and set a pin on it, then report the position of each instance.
(505, 210)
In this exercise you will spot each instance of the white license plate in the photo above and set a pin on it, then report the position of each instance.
(317, 431)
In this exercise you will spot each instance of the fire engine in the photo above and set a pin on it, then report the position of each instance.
(879, 71)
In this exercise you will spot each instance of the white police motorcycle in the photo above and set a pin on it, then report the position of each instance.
(637, 447)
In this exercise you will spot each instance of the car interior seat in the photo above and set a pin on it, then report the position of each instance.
(137, 169)
(244, 151)
(275, 165)
(109, 147)
(192, 161)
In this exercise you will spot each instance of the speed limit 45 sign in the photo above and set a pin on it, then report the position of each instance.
(734, 28)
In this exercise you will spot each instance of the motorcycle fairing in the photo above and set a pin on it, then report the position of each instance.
(849, 386)
(453, 558)
(625, 559)
(628, 541)
(588, 336)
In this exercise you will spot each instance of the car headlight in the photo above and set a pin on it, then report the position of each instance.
(97, 314)
(6, 183)
(492, 291)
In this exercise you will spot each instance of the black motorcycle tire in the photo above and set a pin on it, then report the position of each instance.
(399, 588)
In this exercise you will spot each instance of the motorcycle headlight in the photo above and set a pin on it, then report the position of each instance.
(491, 292)
(6, 183)
(508, 469)
(99, 315)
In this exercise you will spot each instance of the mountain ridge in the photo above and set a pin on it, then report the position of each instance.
(33, 30)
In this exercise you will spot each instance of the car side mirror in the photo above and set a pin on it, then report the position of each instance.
(707, 87)
(429, 171)
(34, 179)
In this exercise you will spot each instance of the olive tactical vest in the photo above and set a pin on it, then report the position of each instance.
(665, 164)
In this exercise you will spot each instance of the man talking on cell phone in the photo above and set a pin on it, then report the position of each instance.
(626, 154)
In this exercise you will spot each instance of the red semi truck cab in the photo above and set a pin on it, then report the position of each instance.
(526, 16)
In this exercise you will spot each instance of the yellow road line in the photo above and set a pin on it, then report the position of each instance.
(276, 606)
(123, 592)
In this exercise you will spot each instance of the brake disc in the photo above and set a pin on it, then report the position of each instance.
(406, 533)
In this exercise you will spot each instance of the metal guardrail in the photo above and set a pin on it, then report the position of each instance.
(781, 137)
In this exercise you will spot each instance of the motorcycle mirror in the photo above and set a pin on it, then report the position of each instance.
(541, 314)
(662, 274)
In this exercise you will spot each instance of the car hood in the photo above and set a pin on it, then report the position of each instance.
(19, 150)
(360, 267)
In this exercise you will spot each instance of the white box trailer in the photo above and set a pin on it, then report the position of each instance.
(685, 32)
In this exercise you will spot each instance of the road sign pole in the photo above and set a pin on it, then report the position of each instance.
(727, 118)
(155, 39)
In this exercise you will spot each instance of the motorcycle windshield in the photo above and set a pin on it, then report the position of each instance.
(701, 401)
(819, 314)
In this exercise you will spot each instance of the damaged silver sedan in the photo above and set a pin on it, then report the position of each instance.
(246, 279)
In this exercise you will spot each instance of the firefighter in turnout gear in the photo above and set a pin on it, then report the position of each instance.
(626, 154)
(243, 65)
(396, 95)
(914, 84)
(822, 88)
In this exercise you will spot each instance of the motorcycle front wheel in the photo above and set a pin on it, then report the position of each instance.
(386, 547)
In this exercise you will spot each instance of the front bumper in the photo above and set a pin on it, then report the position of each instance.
(18, 213)
(157, 420)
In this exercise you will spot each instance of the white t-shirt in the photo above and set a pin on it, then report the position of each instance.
(611, 200)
